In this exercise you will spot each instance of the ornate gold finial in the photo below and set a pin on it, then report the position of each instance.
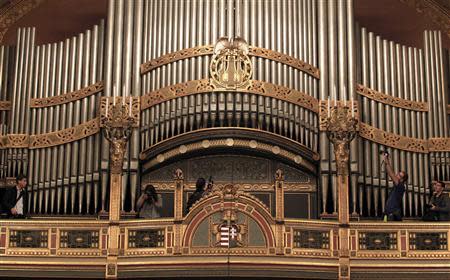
(230, 68)
(342, 127)
(279, 175)
(118, 127)
(178, 174)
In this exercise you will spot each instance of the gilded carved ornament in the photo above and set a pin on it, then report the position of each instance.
(342, 127)
(131, 107)
(391, 100)
(50, 139)
(252, 51)
(439, 144)
(67, 97)
(230, 67)
(5, 105)
(254, 86)
(393, 140)
(117, 122)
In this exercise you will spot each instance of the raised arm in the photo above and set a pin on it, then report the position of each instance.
(141, 200)
(389, 169)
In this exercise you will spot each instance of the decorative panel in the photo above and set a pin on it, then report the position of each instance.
(28, 238)
(79, 239)
(311, 239)
(428, 241)
(378, 241)
(146, 238)
(230, 169)
(292, 174)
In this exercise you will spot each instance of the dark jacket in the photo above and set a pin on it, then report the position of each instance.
(193, 199)
(9, 199)
(394, 201)
(442, 203)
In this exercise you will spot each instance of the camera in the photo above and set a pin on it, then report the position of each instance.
(210, 183)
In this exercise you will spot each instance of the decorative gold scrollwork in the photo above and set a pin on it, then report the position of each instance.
(257, 87)
(17, 140)
(393, 140)
(439, 144)
(67, 97)
(65, 136)
(391, 100)
(253, 51)
(5, 105)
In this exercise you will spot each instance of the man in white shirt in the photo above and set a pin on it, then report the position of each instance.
(15, 198)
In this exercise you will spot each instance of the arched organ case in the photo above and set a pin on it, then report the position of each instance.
(303, 54)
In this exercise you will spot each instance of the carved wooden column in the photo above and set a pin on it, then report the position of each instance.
(279, 208)
(342, 127)
(117, 121)
(178, 210)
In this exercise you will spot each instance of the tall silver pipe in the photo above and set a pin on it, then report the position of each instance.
(324, 94)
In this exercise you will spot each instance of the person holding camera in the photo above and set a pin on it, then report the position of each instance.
(393, 209)
(149, 203)
(438, 209)
(199, 192)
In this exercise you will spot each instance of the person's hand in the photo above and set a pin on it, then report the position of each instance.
(433, 207)
(145, 196)
(14, 211)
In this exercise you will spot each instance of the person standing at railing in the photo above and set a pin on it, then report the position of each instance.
(199, 192)
(149, 203)
(14, 200)
(393, 209)
(438, 209)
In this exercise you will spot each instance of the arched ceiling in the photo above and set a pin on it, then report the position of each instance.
(402, 21)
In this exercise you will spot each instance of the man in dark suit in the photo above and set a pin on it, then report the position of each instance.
(14, 200)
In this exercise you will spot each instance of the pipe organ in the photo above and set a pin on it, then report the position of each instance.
(304, 55)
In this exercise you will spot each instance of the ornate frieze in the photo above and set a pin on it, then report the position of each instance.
(16, 11)
(67, 97)
(377, 240)
(311, 239)
(257, 87)
(391, 100)
(428, 241)
(14, 141)
(79, 239)
(5, 105)
(66, 135)
(28, 238)
(146, 238)
(52, 138)
(439, 144)
(253, 51)
(392, 140)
